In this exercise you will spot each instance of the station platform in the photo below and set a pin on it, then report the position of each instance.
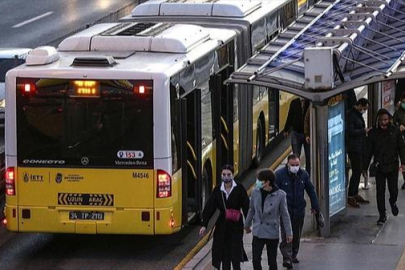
(356, 241)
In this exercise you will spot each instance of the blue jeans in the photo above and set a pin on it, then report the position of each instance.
(297, 141)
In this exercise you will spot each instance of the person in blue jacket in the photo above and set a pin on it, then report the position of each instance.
(294, 181)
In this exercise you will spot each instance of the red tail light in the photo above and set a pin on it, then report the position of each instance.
(10, 181)
(29, 88)
(164, 184)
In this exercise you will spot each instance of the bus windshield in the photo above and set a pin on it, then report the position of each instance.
(82, 123)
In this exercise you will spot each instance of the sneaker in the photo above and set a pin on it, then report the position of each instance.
(381, 220)
(403, 186)
(394, 209)
(352, 202)
(288, 264)
(295, 260)
(360, 199)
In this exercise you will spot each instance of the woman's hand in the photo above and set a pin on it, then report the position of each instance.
(202, 231)
(289, 239)
(248, 230)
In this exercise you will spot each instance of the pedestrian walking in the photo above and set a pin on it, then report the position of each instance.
(399, 121)
(229, 197)
(385, 143)
(294, 182)
(267, 205)
(295, 122)
(356, 132)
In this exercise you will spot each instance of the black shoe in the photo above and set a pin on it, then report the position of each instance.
(288, 264)
(394, 209)
(295, 260)
(403, 186)
(381, 220)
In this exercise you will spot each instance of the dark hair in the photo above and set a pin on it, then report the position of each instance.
(293, 156)
(227, 167)
(363, 102)
(379, 113)
(266, 175)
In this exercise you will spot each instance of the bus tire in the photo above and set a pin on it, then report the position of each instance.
(259, 144)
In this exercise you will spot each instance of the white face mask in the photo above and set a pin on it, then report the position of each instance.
(294, 169)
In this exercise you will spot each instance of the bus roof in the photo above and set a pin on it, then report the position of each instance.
(158, 48)
(206, 10)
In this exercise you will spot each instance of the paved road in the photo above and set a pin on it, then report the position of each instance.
(37, 22)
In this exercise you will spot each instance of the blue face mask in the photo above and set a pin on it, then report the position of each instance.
(403, 105)
(259, 184)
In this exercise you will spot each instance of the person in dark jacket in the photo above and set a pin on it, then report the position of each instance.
(399, 121)
(227, 246)
(294, 181)
(385, 144)
(295, 121)
(267, 204)
(356, 132)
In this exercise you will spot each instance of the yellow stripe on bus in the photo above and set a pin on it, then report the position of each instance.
(301, 2)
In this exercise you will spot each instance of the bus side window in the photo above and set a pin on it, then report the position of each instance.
(206, 115)
(175, 127)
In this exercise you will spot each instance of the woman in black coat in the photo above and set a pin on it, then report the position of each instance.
(227, 245)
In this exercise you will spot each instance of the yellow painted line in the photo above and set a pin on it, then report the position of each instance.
(205, 239)
(401, 263)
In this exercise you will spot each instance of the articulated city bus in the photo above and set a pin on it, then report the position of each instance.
(123, 129)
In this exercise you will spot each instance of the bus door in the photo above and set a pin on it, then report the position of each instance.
(191, 154)
(224, 122)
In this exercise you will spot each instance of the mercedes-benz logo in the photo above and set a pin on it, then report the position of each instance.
(85, 160)
(58, 178)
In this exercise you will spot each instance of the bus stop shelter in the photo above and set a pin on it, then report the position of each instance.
(334, 47)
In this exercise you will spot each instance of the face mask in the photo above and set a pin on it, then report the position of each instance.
(259, 184)
(403, 105)
(227, 179)
(294, 169)
(362, 111)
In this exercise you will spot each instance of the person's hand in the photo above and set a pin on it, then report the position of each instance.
(308, 139)
(402, 168)
(365, 174)
(285, 134)
(401, 128)
(202, 231)
(289, 239)
(313, 211)
(248, 230)
(367, 130)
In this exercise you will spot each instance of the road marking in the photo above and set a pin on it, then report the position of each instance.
(33, 19)
(205, 239)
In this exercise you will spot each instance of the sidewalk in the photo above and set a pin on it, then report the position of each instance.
(357, 242)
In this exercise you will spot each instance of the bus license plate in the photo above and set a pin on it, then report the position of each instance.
(81, 215)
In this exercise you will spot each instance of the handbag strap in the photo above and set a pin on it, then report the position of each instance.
(222, 195)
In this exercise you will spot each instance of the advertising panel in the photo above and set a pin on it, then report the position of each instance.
(336, 156)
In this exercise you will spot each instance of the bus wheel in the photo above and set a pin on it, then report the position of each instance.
(259, 144)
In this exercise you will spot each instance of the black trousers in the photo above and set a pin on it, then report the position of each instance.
(356, 163)
(290, 250)
(226, 254)
(381, 179)
(258, 245)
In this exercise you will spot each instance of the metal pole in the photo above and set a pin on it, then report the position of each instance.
(322, 163)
